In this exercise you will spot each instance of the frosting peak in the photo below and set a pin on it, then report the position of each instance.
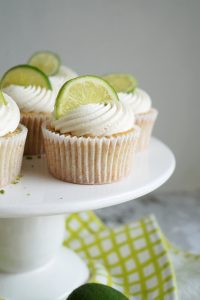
(64, 74)
(103, 119)
(32, 98)
(139, 101)
(9, 116)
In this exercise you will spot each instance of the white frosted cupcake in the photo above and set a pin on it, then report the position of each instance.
(12, 140)
(92, 144)
(91, 138)
(145, 116)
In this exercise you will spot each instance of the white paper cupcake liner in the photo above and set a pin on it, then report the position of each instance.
(87, 160)
(146, 123)
(11, 153)
(34, 142)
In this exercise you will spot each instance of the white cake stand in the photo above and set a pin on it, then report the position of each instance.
(33, 264)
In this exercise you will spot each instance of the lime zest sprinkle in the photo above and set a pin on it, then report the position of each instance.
(17, 180)
(29, 157)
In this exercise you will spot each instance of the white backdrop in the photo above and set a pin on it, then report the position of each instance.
(156, 40)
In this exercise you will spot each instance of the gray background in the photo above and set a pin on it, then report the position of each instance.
(158, 41)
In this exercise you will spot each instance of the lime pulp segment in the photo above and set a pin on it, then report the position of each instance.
(122, 82)
(46, 61)
(25, 75)
(83, 90)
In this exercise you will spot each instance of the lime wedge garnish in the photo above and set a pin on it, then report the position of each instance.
(25, 75)
(83, 90)
(2, 99)
(46, 61)
(124, 83)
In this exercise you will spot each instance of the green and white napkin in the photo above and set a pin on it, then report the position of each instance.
(133, 258)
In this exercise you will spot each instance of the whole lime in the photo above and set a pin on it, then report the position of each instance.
(94, 291)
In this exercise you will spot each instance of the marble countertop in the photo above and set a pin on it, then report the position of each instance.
(178, 214)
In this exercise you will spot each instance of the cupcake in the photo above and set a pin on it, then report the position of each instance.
(12, 140)
(35, 99)
(90, 141)
(144, 115)
(140, 103)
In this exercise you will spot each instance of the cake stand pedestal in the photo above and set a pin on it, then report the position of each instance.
(33, 263)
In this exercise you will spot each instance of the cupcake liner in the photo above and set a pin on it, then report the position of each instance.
(146, 123)
(88, 160)
(34, 142)
(11, 153)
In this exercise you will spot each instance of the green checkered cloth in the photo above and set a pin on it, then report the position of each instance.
(133, 258)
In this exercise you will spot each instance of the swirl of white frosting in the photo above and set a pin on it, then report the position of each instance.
(9, 116)
(32, 98)
(103, 119)
(64, 74)
(139, 101)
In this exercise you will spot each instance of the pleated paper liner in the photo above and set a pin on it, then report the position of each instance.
(11, 153)
(33, 121)
(89, 160)
(146, 123)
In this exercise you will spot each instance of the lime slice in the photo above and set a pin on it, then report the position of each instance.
(83, 90)
(25, 75)
(91, 291)
(125, 83)
(46, 61)
(2, 99)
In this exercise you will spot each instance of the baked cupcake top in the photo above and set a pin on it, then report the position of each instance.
(32, 98)
(9, 115)
(101, 119)
(139, 101)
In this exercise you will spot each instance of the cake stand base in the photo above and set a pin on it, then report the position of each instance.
(54, 281)
(33, 263)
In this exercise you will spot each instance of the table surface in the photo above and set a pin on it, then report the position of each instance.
(178, 215)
